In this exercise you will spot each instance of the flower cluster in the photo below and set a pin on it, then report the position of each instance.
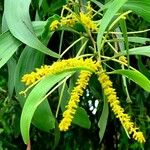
(87, 67)
(123, 60)
(60, 66)
(69, 20)
(74, 100)
(87, 21)
(72, 18)
(54, 25)
(124, 118)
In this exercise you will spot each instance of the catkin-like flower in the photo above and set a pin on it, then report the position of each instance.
(74, 100)
(124, 118)
(35, 76)
(60, 66)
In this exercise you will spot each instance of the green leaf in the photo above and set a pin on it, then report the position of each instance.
(56, 4)
(98, 3)
(110, 13)
(134, 39)
(19, 23)
(142, 67)
(34, 99)
(38, 27)
(57, 136)
(46, 31)
(33, 59)
(139, 7)
(141, 40)
(81, 118)
(8, 46)
(43, 117)
(51, 7)
(11, 64)
(136, 77)
(125, 36)
(103, 120)
(95, 87)
(144, 50)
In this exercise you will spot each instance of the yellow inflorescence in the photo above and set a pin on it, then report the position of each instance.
(124, 118)
(54, 25)
(58, 67)
(74, 100)
(69, 20)
(87, 21)
(35, 76)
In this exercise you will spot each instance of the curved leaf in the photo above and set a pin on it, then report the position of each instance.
(11, 64)
(33, 59)
(142, 68)
(112, 10)
(139, 7)
(141, 40)
(34, 99)
(81, 118)
(8, 46)
(102, 123)
(144, 50)
(38, 27)
(136, 77)
(19, 23)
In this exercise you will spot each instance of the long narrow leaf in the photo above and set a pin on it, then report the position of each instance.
(8, 46)
(139, 7)
(112, 10)
(11, 64)
(144, 50)
(103, 120)
(33, 59)
(136, 77)
(19, 23)
(34, 99)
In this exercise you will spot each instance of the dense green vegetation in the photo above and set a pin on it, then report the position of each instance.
(50, 50)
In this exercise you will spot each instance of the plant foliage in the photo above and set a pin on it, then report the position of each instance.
(74, 74)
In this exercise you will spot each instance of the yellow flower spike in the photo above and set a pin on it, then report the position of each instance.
(124, 118)
(58, 67)
(54, 25)
(34, 76)
(74, 100)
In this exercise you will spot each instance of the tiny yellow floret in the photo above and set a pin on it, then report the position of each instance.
(87, 21)
(123, 60)
(74, 100)
(54, 25)
(69, 20)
